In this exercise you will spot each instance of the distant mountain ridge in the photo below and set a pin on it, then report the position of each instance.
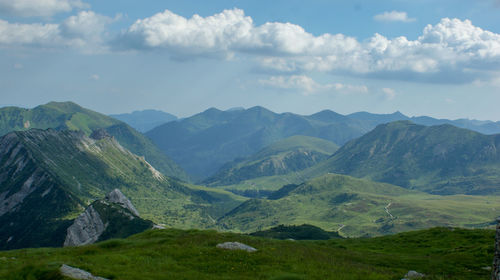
(203, 143)
(441, 159)
(288, 155)
(145, 120)
(68, 115)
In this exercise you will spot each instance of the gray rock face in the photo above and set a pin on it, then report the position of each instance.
(86, 229)
(76, 273)
(495, 274)
(236, 246)
(116, 196)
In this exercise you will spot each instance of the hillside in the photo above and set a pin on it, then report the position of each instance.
(68, 115)
(205, 142)
(440, 253)
(438, 159)
(356, 207)
(282, 157)
(145, 120)
(48, 177)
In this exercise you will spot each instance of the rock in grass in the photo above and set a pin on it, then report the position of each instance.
(76, 273)
(236, 246)
(412, 274)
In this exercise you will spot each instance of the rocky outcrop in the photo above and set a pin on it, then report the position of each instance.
(90, 225)
(116, 196)
(100, 134)
(86, 228)
(495, 275)
(236, 246)
(76, 273)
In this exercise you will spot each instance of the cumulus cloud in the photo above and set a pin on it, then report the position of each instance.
(390, 93)
(40, 8)
(307, 85)
(449, 51)
(393, 16)
(83, 31)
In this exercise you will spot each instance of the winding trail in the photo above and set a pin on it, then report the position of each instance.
(340, 228)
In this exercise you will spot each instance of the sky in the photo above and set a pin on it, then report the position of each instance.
(438, 58)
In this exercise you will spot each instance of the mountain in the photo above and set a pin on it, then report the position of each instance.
(438, 159)
(145, 120)
(203, 143)
(68, 115)
(48, 177)
(356, 207)
(288, 155)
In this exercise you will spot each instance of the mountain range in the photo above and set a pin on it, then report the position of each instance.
(145, 120)
(261, 170)
(439, 159)
(202, 144)
(68, 115)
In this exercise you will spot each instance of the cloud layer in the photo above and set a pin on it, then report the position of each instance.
(39, 8)
(83, 31)
(308, 86)
(394, 16)
(451, 49)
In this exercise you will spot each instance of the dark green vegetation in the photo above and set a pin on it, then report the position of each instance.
(438, 159)
(68, 115)
(440, 253)
(288, 155)
(203, 143)
(48, 177)
(356, 207)
(145, 120)
(302, 232)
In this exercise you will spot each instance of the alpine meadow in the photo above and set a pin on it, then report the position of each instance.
(249, 139)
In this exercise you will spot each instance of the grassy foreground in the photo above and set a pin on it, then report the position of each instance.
(440, 253)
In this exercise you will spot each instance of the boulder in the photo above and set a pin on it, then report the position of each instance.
(412, 274)
(76, 273)
(236, 246)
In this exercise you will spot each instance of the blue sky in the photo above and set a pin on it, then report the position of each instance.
(436, 58)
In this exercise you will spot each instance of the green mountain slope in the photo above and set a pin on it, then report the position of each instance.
(440, 253)
(357, 207)
(203, 143)
(145, 120)
(288, 155)
(438, 159)
(48, 177)
(68, 115)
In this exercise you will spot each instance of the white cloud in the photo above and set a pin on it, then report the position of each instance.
(446, 52)
(83, 31)
(95, 77)
(41, 8)
(394, 16)
(390, 93)
(307, 85)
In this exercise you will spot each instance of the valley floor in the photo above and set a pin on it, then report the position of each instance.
(440, 253)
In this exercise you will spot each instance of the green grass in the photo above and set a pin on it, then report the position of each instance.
(440, 253)
(358, 207)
